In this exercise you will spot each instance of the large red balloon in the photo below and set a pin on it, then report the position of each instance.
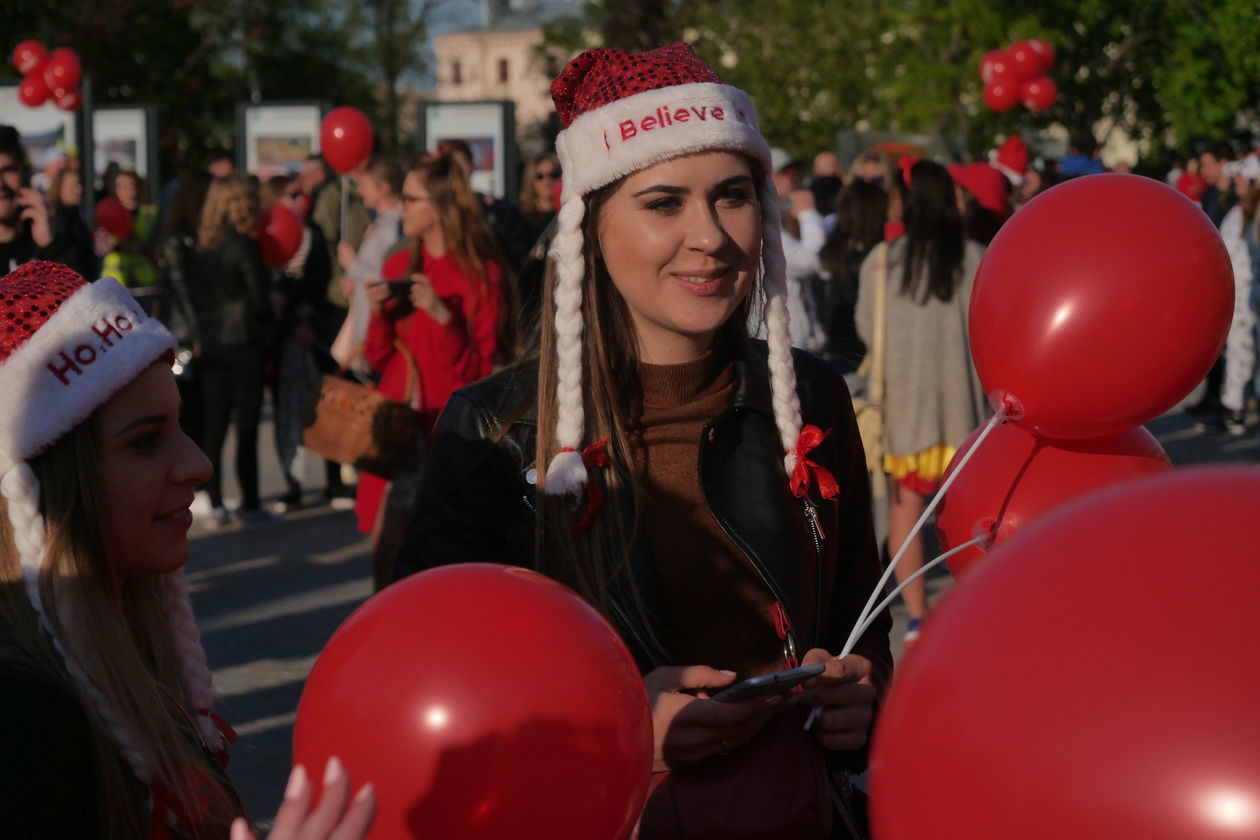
(1025, 61)
(1038, 94)
(1095, 678)
(996, 67)
(63, 69)
(29, 55)
(1100, 304)
(345, 138)
(33, 91)
(279, 235)
(113, 217)
(1016, 478)
(483, 702)
(1001, 95)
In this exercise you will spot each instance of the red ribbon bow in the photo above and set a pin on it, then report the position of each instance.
(806, 470)
(595, 455)
(225, 728)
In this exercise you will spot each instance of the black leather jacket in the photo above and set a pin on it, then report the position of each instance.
(819, 558)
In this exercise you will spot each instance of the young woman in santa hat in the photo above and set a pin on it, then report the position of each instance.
(707, 492)
(109, 726)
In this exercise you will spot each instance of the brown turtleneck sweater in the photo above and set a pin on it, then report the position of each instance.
(717, 609)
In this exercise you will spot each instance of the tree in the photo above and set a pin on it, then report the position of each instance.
(399, 30)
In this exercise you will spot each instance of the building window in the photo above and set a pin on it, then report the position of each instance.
(503, 71)
(457, 74)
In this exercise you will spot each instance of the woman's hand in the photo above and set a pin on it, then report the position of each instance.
(846, 697)
(425, 298)
(35, 211)
(331, 820)
(687, 728)
(802, 200)
(345, 254)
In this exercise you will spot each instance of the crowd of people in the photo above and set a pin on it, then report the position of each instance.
(643, 367)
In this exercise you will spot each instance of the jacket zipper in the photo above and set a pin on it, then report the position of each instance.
(816, 530)
(634, 632)
(789, 642)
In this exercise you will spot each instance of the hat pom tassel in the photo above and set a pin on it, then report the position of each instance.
(566, 473)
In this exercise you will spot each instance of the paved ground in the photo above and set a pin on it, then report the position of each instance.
(269, 597)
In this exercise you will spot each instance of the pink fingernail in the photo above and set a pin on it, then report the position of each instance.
(365, 792)
(333, 771)
(728, 673)
(297, 783)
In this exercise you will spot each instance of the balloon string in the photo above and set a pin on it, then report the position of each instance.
(868, 610)
(817, 710)
(345, 206)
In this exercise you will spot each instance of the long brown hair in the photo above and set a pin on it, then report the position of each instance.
(122, 639)
(231, 204)
(467, 236)
(595, 561)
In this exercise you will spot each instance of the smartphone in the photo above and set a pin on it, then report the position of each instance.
(769, 683)
(399, 288)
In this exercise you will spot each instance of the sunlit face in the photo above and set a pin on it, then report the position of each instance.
(682, 241)
(71, 189)
(126, 191)
(149, 470)
(419, 216)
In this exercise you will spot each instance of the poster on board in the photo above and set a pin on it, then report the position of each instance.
(489, 130)
(126, 136)
(48, 134)
(274, 138)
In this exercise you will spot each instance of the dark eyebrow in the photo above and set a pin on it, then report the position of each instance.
(151, 419)
(671, 190)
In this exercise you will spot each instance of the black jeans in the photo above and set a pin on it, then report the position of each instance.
(232, 389)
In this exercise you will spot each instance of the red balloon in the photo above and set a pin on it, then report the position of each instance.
(113, 217)
(63, 69)
(1094, 678)
(1015, 479)
(279, 235)
(33, 92)
(29, 55)
(1038, 94)
(482, 701)
(1025, 61)
(996, 67)
(68, 100)
(345, 138)
(1001, 95)
(1044, 50)
(1100, 304)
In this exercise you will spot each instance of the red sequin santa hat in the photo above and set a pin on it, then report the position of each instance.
(1011, 159)
(66, 347)
(622, 112)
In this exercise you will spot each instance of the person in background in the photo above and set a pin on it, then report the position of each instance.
(232, 288)
(538, 192)
(65, 200)
(540, 197)
(861, 210)
(326, 214)
(1190, 183)
(1240, 346)
(451, 319)
(307, 324)
(220, 164)
(25, 225)
(513, 236)
(826, 184)
(130, 261)
(983, 199)
(1082, 158)
(932, 397)
(803, 236)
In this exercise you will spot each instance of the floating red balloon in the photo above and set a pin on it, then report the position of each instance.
(996, 67)
(33, 92)
(1045, 50)
(482, 702)
(345, 138)
(63, 69)
(68, 100)
(1025, 61)
(1038, 94)
(1094, 678)
(1100, 304)
(113, 217)
(29, 55)
(1001, 95)
(1015, 479)
(279, 235)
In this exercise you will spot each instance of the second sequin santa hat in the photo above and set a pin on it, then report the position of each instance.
(622, 112)
(66, 347)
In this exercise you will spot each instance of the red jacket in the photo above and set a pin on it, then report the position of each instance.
(448, 356)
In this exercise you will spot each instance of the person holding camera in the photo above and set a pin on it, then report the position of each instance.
(437, 329)
(25, 226)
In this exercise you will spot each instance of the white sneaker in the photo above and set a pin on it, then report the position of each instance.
(220, 518)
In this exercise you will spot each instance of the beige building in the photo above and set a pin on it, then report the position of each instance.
(502, 59)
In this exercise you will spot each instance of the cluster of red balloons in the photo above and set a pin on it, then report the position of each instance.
(1096, 308)
(482, 702)
(1018, 74)
(52, 76)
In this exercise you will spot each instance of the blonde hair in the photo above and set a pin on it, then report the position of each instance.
(231, 205)
(116, 648)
